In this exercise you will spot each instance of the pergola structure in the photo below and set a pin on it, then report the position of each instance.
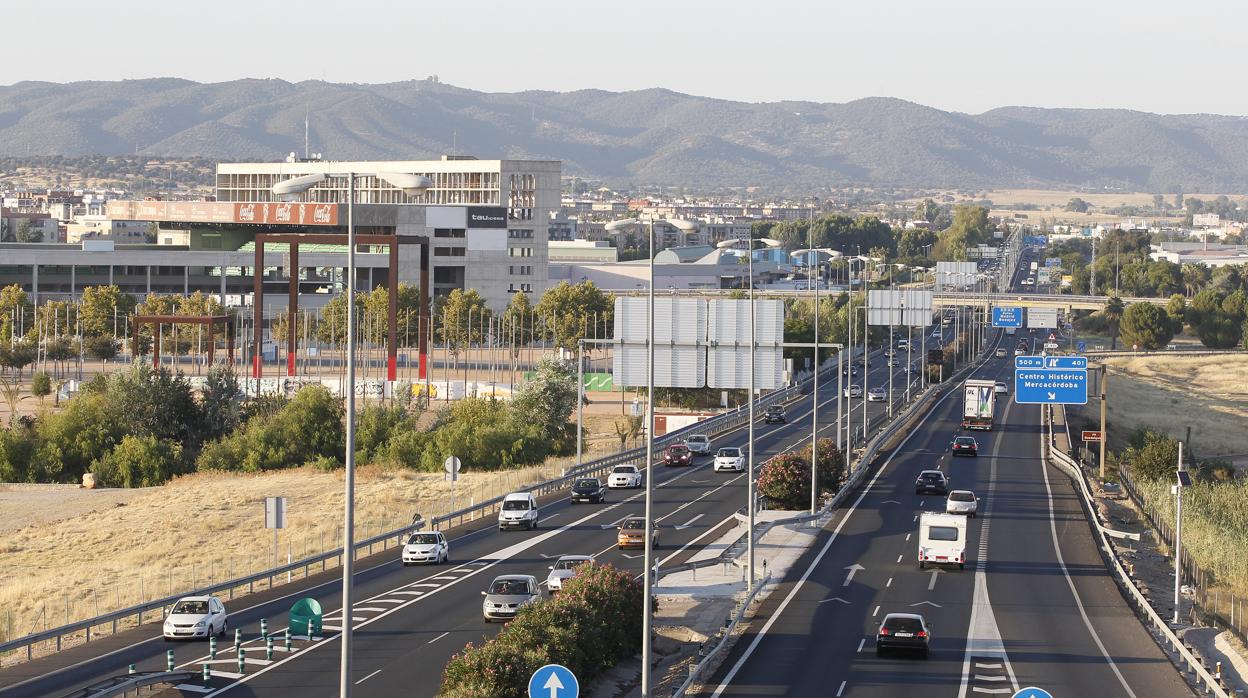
(392, 322)
(227, 323)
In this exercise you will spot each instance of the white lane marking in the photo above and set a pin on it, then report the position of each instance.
(444, 578)
(357, 683)
(387, 601)
(907, 537)
(409, 592)
(370, 609)
(835, 598)
(987, 665)
(749, 650)
(889, 583)
(1061, 561)
(853, 569)
(899, 558)
(840, 690)
(980, 689)
(438, 638)
(861, 643)
(688, 523)
(875, 612)
(931, 584)
(989, 677)
(425, 584)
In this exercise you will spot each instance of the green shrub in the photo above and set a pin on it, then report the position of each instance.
(1152, 456)
(590, 626)
(306, 429)
(138, 461)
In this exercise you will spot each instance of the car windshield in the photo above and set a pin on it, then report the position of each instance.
(903, 625)
(697, 439)
(516, 505)
(965, 441)
(635, 524)
(587, 484)
(509, 587)
(569, 564)
(942, 533)
(775, 408)
(423, 539)
(624, 470)
(931, 476)
(962, 497)
(191, 608)
(729, 452)
(678, 450)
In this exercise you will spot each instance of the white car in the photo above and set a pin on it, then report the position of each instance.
(699, 444)
(1000, 388)
(962, 502)
(731, 458)
(563, 569)
(519, 510)
(625, 476)
(428, 546)
(877, 395)
(196, 616)
(854, 390)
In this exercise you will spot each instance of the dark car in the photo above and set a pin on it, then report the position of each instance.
(965, 446)
(774, 415)
(902, 631)
(677, 454)
(931, 482)
(589, 489)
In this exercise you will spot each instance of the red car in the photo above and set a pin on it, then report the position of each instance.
(965, 446)
(677, 454)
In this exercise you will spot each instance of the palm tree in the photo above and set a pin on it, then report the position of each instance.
(1195, 276)
(1114, 309)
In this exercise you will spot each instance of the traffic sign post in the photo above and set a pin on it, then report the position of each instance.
(1007, 317)
(451, 465)
(554, 681)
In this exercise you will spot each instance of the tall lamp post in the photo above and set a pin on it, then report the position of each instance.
(749, 505)
(290, 189)
(648, 558)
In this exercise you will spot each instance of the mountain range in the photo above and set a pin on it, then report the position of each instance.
(652, 136)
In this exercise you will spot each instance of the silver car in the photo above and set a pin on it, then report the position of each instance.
(507, 595)
(877, 395)
(699, 444)
(564, 569)
(962, 502)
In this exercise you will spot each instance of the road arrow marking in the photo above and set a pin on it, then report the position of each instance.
(853, 569)
(929, 603)
(634, 557)
(688, 523)
(616, 524)
(835, 598)
(932, 584)
(890, 501)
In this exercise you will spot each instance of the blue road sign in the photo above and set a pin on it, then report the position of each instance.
(1028, 361)
(1007, 317)
(554, 681)
(1033, 692)
(1053, 262)
(1051, 386)
(1081, 347)
(1036, 240)
(1065, 362)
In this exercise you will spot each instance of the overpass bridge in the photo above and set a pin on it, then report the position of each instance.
(1032, 300)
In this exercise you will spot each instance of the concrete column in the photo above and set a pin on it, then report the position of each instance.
(73, 281)
(149, 279)
(34, 283)
(110, 275)
(186, 280)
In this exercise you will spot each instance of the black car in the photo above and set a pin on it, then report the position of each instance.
(774, 415)
(589, 489)
(931, 482)
(902, 631)
(965, 446)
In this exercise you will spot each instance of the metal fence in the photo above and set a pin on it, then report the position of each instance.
(1131, 591)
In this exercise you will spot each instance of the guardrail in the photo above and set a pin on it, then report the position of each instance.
(696, 670)
(121, 685)
(1125, 582)
(88, 626)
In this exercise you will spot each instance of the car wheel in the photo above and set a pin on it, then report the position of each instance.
(225, 626)
(485, 618)
(923, 653)
(922, 565)
(961, 565)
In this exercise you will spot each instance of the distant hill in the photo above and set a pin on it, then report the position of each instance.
(650, 136)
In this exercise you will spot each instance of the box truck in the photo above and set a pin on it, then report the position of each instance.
(978, 402)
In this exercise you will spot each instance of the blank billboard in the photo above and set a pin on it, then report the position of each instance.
(679, 348)
(728, 330)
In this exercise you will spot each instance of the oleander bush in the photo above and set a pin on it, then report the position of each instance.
(785, 479)
(590, 626)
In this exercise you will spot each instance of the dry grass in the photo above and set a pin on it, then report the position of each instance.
(1168, 393)
(104, 550)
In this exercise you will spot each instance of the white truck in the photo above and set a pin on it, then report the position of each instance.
(978, 403)
(942, 539)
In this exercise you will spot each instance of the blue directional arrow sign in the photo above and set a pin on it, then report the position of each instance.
(1033, 692)
(1007, 317)
(1051, 386)
(1081, 347)
(554, 681)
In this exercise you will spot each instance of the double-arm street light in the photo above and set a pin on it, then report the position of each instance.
(648, 576)
(289, 189)
(749, 536)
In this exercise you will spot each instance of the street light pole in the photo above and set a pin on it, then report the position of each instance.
(749, 505)
(348, 551)
(647, 574)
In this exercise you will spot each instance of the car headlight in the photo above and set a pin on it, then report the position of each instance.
(200, 624)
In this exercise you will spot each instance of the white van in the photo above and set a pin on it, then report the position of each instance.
(903, 343)
(519, 510)
(942, 540)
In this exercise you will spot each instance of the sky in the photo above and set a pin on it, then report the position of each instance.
(959, 55)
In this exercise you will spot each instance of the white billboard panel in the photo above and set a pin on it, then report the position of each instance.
(905, 307)
(728, 331)
(947, 275)
(679, 348)
(1043, 318)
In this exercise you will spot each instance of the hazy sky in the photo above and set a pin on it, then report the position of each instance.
(963, 55)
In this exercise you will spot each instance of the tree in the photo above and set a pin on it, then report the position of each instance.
(221, 403)
(103, 310)
(458, 309)
(16, 312)
(1152, 456)
(569, 311)
(1177, 310)
(927, 210)
(518, 319)
(1195, 276)
(41, 385)
(138, 461)
(100, 348)
(1159, 202)
(627, 428)
(27, 232)
(1077, 205)
(548, 398)
(970, 227)
(1114, 309)
(1146, 326)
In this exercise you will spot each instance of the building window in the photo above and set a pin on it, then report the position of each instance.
(520, 251)
(448, 232)
(520, 270)
(448, 252)
(520, 234)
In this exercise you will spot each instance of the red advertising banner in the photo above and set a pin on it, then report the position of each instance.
(270, 213)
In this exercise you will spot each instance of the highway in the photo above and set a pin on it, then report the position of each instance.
(1036, 607)
(409, 621)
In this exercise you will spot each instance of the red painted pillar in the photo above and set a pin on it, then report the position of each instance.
(392, 314)
(292, 311)
(257, 310)
(422, 342)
